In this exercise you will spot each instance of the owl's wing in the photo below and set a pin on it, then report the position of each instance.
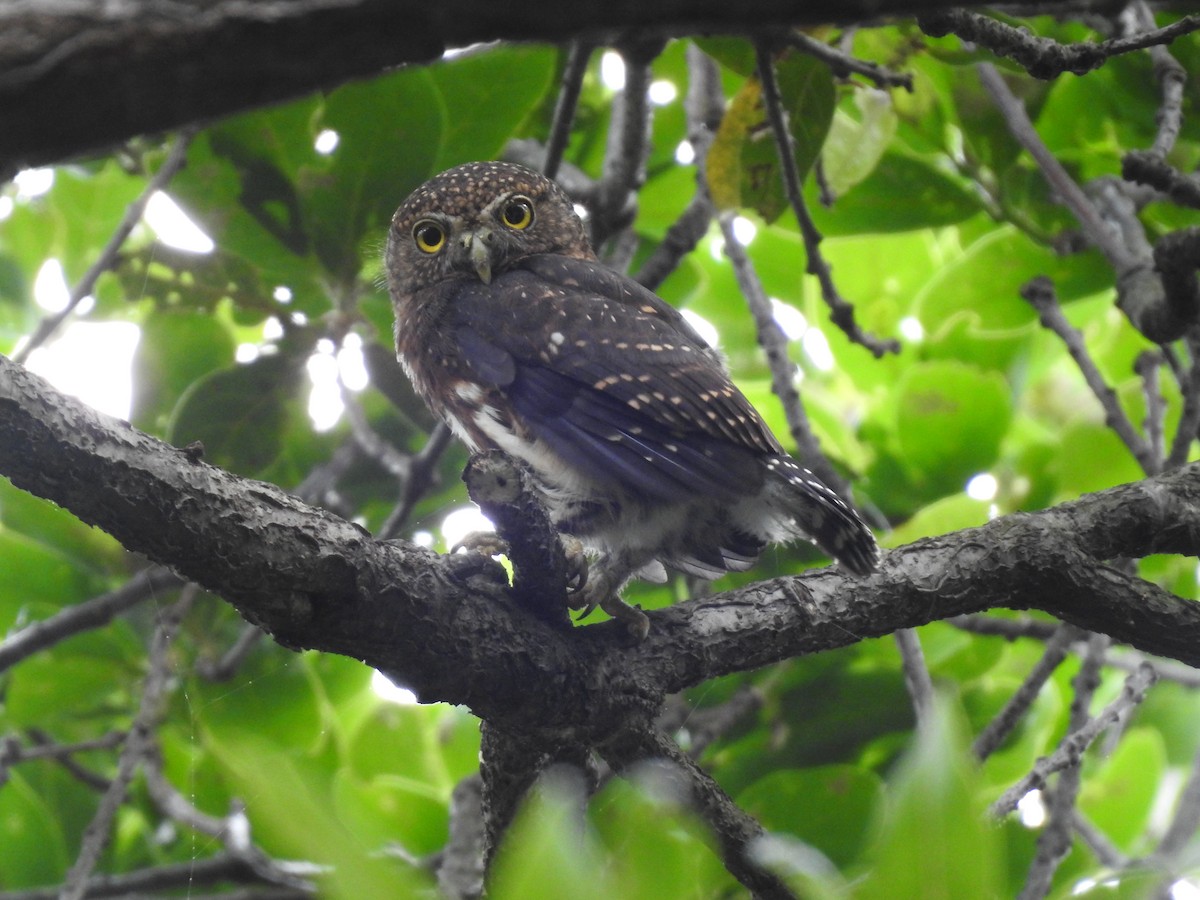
(612, 379)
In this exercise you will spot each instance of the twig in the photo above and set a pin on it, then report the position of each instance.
(1170, 74)
(680, 240)
(154, 686)
(998, 728)
(1097, 841)
(395, 463)
(1189, 418)
(1017, 118)
(841, 311)
(232, 830)
(1069, 751)
(420, 479)
(1054, 841)
(1009, 629)
(1147, 365)
(220, 869)
(45, 747)
(843, 64)
(108, 256)
(696, 729)
(1145, 167)
(83, 616)
(460, 872)
(231, 660)
(564, 108)
(1040, 293)
(704, 105)
(1169, 853)
(627, 149)
(916, 674)
(1042, 57)
(734, 829)
(775, 345)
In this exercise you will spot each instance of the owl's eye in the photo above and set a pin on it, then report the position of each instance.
(429, 235)
(518, 213)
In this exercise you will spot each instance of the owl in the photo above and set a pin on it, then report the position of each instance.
(635, 438)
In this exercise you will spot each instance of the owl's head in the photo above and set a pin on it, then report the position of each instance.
(476, 220)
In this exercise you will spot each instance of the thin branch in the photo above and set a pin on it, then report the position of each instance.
(217, 870)
(1070, 750)
(98, 831)
(843, 64)
(231, 660)
(628, 147)
(783, 371)
(395, 463)
(569, 89)
(108, 256)
(1171, 75)
(841, 310)
(1001, 726)
(1042, 57)
(1184, 823)
(916, 674)
(1189, 418)
(1097, 841)
(1054, 841)
(1148, 168)
(460, 870)
(1041, 295)
(420, 479)
(680, 240)
(1147, 366)
(98, 611)
(232, 830)
(735, 830)
(1017, 118)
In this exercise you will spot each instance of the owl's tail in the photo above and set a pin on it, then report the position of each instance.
(803, 506)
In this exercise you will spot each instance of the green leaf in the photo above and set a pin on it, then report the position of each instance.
(828, 807)
(550, 852)
(901, 193)
(855, 146)
(1119, 797)
(35, 850)
(743, 163)
(239, 414)
(177, 348)
(950, 419)
(934, 839)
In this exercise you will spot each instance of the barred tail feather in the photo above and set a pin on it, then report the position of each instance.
(814, 511)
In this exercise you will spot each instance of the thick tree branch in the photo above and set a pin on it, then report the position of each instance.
(76, 76)
(447, 627)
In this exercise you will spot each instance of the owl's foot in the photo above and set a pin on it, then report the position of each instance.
(487, 543)
(601, 590)
(577, 566)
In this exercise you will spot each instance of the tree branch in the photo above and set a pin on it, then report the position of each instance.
(154, 58)
(448, 628)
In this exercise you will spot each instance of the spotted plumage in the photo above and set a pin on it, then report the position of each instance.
(640, 444)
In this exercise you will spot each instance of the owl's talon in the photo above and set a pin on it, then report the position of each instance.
(636, 622)
(486, 543)
(577, 566)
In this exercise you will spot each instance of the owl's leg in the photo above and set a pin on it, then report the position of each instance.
(604, 581)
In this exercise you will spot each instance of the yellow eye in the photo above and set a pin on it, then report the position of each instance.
(518, 213)
(429, 236)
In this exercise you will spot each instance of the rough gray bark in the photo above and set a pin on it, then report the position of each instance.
(77, 76)
(447, 627)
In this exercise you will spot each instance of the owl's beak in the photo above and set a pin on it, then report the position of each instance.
(480, 254)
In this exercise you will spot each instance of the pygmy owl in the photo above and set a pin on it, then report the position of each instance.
(638, 442)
